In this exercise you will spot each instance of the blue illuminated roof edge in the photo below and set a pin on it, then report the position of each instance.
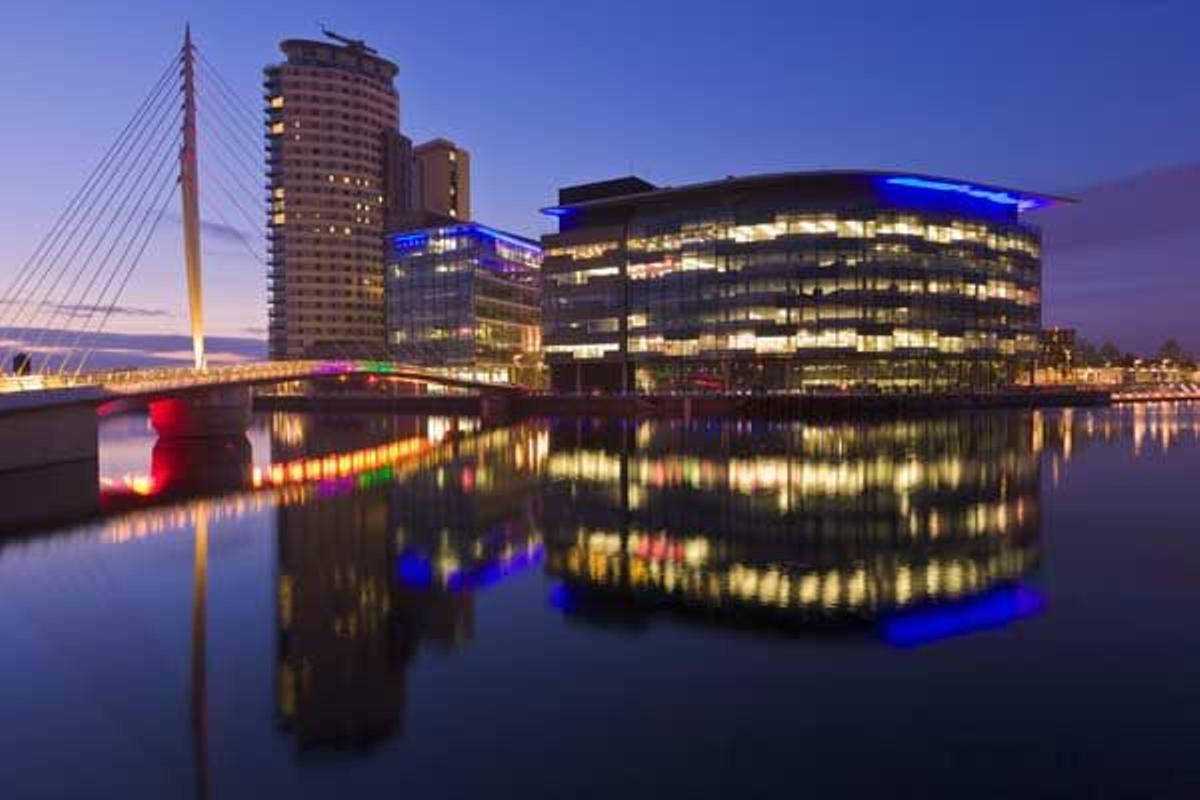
(466, 227)
(1038, 199)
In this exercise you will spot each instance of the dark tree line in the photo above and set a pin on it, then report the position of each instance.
(1108, 354)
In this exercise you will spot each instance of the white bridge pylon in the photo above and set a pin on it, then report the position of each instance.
(189, 191)
(57, 304)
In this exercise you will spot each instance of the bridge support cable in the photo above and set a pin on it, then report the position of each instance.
(216, 211)
(236, 165)
(163, 201)
(28, 295)
(60, 306)
(238, 108)
(22, 276)
(246, 216)
(73, 303)
(236, 175)
(87, 215)
(163, 177)
(62, 262)
(220, 122)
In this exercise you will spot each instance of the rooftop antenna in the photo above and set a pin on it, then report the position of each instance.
(359, 44)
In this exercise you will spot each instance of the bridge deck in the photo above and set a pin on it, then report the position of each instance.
(47, 390)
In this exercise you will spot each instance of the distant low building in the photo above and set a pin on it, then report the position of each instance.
(466, 296)
(1056, 348)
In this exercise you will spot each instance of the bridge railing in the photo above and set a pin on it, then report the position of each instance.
(138, 381)
(33, 383)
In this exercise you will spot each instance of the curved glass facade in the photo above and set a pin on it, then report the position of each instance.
(790, 283)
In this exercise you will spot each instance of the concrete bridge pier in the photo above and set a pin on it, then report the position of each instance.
(45, 428)
(48, 466)
(219, 412)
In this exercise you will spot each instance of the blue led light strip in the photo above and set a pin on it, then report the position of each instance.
(998, 196)
(492, 233)
(411, 241)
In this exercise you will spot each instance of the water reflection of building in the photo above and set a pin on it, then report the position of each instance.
(801, 523)
(353, 611)
(341, 669)
(1148, 426)
(310, 435)
(473, 517)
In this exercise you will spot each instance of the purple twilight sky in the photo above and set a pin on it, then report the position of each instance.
(1097, 99)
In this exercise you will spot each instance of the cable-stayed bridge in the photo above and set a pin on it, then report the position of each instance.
(71, 286)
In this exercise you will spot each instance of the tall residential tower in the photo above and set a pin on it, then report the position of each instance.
(337, 173)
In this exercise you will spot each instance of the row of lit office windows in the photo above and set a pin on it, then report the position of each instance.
(658, 319)
(829, 225)
(827, 259)
(804, 340)
(846, 339)
(956, 286)
(777, 262)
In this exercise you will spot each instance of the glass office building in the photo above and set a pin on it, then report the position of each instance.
(465, 296)
(792, 282)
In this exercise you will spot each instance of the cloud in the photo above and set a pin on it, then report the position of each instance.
(219, 231)
(1148, 205)
(118, 350)
(73, 310)
(86, 309)
(1122, 264)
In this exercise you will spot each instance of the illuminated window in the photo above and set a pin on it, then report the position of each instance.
(583, 350)
(582, 251)
(583, 276)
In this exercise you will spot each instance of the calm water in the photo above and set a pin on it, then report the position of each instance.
(995, 605)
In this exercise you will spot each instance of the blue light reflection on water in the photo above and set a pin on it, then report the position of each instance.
(417, 571)
(997, 608)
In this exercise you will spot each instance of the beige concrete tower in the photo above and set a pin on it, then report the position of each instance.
(443, 173)
(332, 116)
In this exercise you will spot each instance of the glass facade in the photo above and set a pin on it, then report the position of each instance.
(792, 283)
(465, 296)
